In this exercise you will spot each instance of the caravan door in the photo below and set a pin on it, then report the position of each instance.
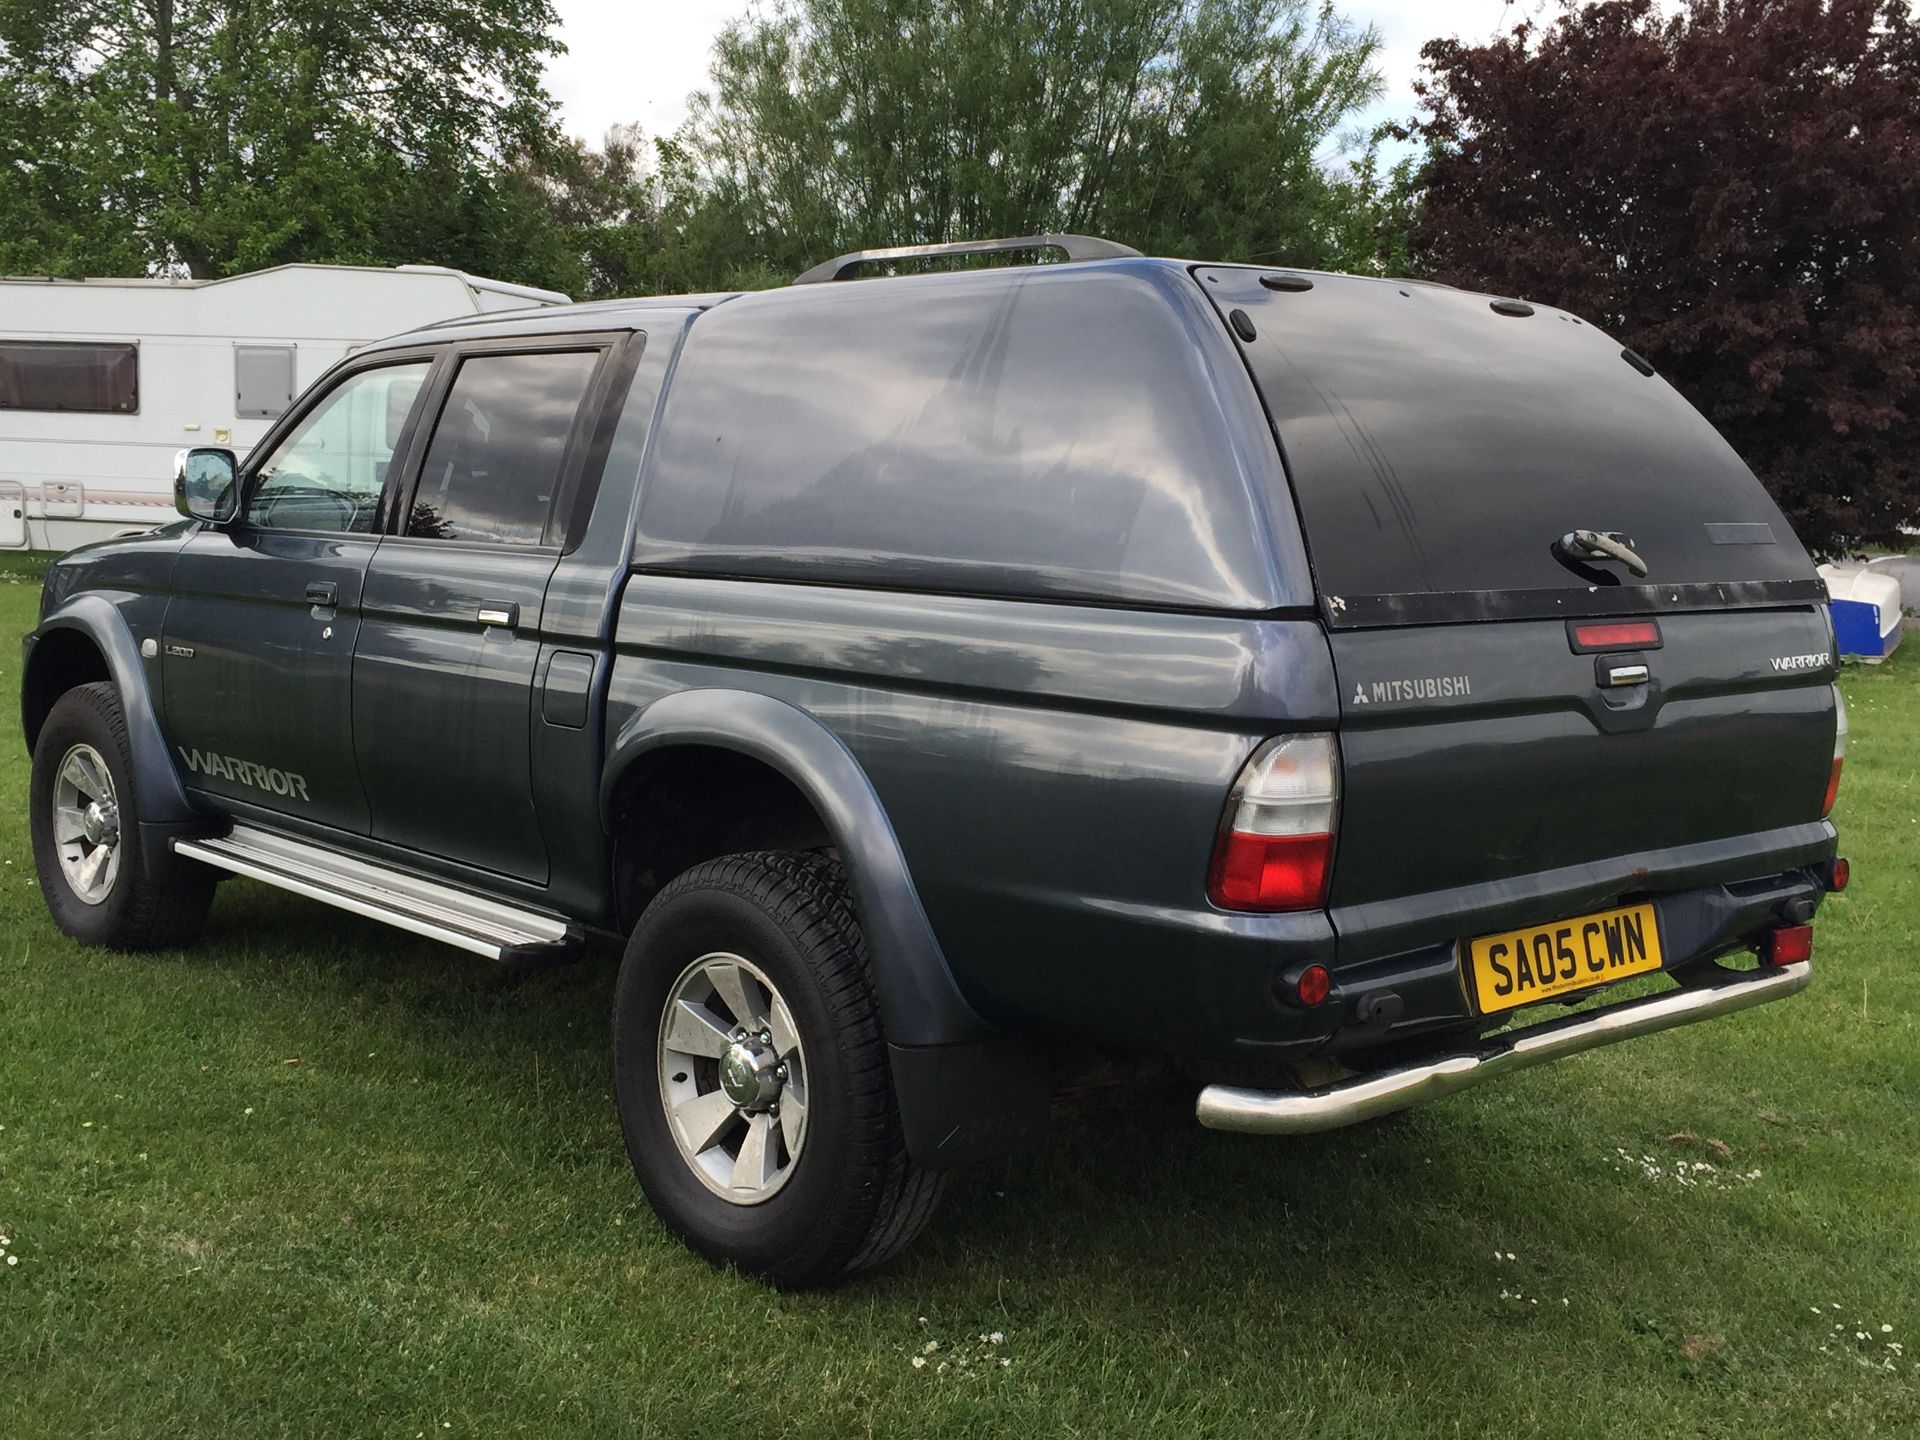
(13, 515)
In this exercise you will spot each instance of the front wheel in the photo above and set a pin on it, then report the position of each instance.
(100, 885)
(752, 1077)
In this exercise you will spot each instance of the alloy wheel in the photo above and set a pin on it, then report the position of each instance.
(86, 824)
(733, 1078)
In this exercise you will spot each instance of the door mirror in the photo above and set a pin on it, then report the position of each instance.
(206, 484)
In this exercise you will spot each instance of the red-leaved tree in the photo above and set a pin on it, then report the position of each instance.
(1732, 187)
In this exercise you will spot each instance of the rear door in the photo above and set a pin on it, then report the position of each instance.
(444, 668)
(1500, 762)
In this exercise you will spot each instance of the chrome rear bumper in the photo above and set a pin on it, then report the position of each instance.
(1290, 1112)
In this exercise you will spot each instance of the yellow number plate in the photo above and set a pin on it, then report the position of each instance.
(1543, 961)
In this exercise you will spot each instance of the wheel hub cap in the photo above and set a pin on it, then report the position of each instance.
(100, 823)
(747, 1074)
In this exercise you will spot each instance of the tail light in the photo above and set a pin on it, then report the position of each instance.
(1839, 752)
(1275, 850)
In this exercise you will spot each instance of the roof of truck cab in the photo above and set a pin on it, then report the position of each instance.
(557, 319)
(632, 312)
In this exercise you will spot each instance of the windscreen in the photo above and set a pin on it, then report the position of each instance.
(1439, 450)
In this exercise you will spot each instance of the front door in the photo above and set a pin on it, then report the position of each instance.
(444, 665)
(257, 650)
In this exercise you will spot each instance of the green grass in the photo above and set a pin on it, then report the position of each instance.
(427, 1226)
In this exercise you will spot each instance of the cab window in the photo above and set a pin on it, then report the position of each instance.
(327, 474)
(499, 448)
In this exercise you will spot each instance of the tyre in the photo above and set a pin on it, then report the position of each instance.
(752, 1077)
(100, 885)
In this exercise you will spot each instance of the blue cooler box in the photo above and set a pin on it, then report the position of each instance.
(1866, 610)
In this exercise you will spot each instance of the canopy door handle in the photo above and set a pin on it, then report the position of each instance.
(1602, 545)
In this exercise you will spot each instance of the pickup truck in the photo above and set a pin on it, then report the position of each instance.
(1325, 686)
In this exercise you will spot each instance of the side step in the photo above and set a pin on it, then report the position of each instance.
(440, 912)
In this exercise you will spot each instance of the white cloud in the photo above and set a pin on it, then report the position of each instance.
(630, 61)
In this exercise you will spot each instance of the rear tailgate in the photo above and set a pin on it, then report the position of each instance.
(1492, 775)
(1490, 782)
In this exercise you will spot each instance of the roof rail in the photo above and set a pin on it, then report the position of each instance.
(1077, 247)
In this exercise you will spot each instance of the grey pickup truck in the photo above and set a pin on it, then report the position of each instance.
(1321, 685)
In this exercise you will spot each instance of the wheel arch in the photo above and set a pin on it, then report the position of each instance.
(920, 1003)
(966, 1090)
(84, 641)
(678, 804)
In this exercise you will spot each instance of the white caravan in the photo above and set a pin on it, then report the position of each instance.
(101, 381)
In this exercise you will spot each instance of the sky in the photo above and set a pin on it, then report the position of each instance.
(638, 60)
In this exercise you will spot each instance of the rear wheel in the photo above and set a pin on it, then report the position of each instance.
(752, 1076)
(100, 884)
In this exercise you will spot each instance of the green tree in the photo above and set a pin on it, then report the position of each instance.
(1201, 127)
(221, 135)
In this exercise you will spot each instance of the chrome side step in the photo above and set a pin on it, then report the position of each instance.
(1285, 1112)
(425, 907)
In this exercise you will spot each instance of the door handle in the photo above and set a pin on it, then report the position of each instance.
(497, 612)
(322, 592)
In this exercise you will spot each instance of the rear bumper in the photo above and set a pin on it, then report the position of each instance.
(1267, 1112)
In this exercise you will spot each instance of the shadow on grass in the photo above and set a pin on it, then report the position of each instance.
(1130, 1199)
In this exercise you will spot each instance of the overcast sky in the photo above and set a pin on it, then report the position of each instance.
(629, 61)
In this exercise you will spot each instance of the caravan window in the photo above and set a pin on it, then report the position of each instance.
(262, 380)
(59, 375)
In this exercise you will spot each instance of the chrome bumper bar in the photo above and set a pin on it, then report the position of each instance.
(1290, 1112)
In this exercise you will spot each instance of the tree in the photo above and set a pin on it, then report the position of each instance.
(1733, 189)
(219, 135)
(1198, 127)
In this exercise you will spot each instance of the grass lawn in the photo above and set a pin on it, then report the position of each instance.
(316, 1177)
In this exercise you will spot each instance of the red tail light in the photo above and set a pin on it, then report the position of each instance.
(1789, 945)
(1270, 872)
(1839, 753)
(1275, 850)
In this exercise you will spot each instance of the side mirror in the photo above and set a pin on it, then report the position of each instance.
(206, 484)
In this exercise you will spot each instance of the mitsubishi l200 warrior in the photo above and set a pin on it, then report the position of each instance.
(1324, 683)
